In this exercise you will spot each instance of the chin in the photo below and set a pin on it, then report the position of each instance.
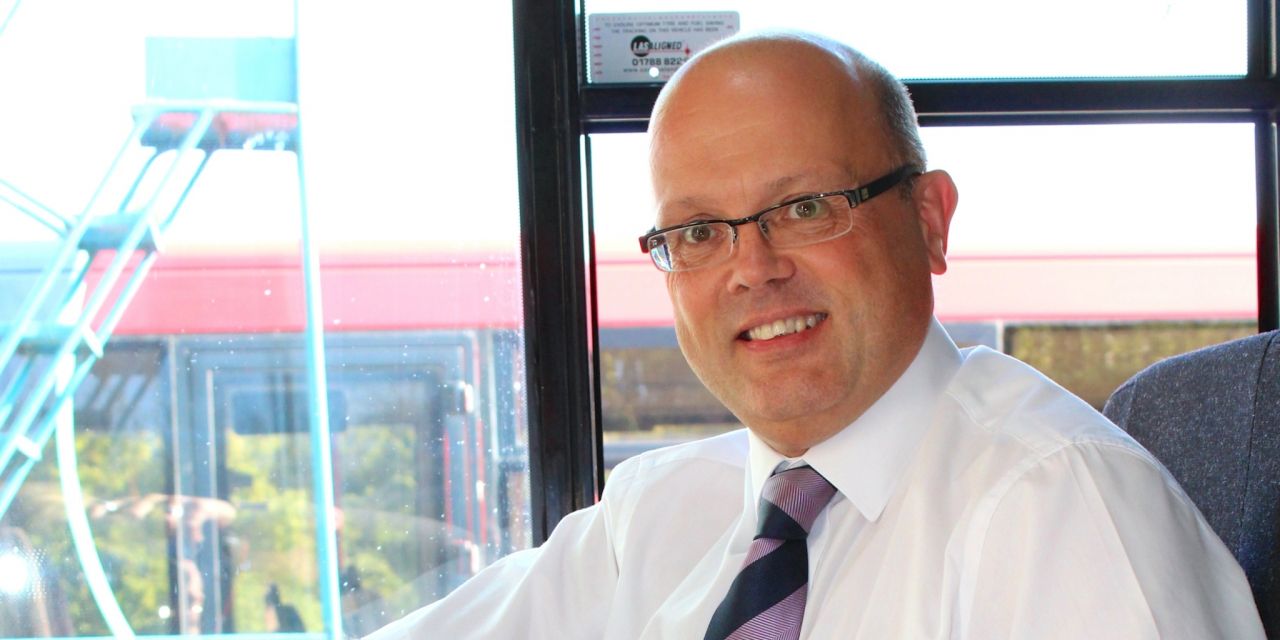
(793, 409)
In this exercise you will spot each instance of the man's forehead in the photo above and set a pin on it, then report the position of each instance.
(740, 108)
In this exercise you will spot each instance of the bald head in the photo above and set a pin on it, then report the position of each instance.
(821, 74)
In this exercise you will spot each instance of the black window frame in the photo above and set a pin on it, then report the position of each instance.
(556, 109)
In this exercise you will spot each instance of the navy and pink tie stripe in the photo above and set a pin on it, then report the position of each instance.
(766, 599)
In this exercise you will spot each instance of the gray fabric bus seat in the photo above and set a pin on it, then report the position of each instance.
(1212, 417)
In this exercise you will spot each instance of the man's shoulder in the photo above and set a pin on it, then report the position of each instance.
(1018, 442)
(724, 452)
(1012, 403)
(700, 484)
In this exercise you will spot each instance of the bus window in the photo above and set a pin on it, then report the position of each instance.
(1089, 251)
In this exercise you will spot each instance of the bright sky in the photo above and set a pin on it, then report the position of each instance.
(409, 124)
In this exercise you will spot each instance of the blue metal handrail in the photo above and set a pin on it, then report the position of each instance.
(18, 432)
(66, 255)
(34, 208)
(9, 490)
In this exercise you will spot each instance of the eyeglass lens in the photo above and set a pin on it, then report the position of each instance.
(792, 225)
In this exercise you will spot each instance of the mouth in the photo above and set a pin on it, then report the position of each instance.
(782, 327)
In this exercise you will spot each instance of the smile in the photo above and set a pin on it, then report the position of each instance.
(783, 327)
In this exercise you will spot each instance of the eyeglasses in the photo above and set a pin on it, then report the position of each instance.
(794, 223)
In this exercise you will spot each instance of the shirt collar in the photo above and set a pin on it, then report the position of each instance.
(865, 459)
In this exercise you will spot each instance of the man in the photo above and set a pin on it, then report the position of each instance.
(940, 494)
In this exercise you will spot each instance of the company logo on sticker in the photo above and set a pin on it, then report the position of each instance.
(640, 46)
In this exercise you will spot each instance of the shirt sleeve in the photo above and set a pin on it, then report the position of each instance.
(559, 590)
(1097, 541)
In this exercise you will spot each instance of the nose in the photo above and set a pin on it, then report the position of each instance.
(756, 263)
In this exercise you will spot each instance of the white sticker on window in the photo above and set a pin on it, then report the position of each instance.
(649, 47)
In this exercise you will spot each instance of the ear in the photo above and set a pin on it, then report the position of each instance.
(935, 198)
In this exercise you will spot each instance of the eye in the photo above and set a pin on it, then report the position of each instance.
(697, 234)
(808, 209)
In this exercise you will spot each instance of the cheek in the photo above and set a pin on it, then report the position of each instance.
(899, 286)
(678, 289)
(693, 305)
(892, 254)
(871, 283)
(693, 334)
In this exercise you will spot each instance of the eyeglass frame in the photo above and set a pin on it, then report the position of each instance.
(855, 196)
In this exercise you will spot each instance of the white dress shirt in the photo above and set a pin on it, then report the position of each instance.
(976, 499)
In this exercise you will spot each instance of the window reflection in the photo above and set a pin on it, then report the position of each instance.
(192, 430)
(195, 462)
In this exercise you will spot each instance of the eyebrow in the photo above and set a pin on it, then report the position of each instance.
(779, 184)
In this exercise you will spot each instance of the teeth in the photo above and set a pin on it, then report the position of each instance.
(787, 326)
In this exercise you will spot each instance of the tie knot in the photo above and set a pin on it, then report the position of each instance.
(791, 501)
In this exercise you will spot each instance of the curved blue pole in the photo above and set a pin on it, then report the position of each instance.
(81, 534)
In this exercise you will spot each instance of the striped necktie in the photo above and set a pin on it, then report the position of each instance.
(766, 599)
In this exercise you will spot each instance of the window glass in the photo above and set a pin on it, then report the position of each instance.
(1007, 38)
(1089, 251)
(194, 459)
